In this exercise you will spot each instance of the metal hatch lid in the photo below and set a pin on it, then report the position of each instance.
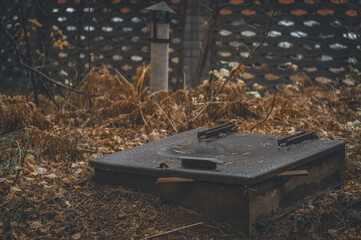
(249, 158)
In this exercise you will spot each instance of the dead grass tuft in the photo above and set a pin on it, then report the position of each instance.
(55, 197)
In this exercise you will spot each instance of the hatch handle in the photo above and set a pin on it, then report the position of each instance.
(200, 163)
(214, 132)
(296, 138)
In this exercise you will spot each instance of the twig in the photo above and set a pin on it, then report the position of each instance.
(269, 113)
(142, 114)
(12, 40)
(125, 81)
(330, 15)
(141, 80)
(231, 75)
(48, 93)
(205, 45)
(170, 121)
(50, 79)
(174, 230)
(23, 158)
(32, 77)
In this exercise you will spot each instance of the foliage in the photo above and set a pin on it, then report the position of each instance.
(354, 74)
(59, 39)
(54, 189)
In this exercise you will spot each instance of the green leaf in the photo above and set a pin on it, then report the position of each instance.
(63, 73)
(355, 124)
(352, 60)
(255, 94)
(224, 72)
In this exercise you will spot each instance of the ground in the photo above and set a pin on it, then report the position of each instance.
(46, 186)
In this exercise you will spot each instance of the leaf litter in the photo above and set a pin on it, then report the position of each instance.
(47, 191)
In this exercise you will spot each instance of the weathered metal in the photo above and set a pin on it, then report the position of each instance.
(296, 138)
(249, 158)
(216, 131)
(199, 162)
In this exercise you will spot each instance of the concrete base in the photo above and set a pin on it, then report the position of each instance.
(239, 205)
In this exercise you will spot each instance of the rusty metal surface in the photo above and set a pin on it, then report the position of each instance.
(249, 158)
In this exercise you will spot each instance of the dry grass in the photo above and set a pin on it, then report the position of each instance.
(54, 196)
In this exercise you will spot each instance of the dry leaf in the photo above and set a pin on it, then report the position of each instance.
(51, 176)
(67, 203)
(45, 229)
(323, 80)
(14, 190)
(41, 171)
(153, 136)
(76, 236)
(349, 82)
(36, 224)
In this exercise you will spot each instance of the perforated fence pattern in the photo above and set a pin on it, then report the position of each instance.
(110, 33)
(118, 33)
(317, 36)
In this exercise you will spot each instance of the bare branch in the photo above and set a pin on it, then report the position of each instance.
(231, 75)
(12, 40)
(172, 231)
(50, 79)
(269, 113)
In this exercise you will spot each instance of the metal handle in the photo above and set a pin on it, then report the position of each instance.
(214, 132)
(296, 138)
(200, 163)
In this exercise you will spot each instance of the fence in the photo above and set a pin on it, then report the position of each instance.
(317, 36)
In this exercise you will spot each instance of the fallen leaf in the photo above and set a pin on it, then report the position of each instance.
(39, 171)
(258, 87)
(332, 231)
(45, 229)
(67, 203)
(51, 176)
(348, 82)
(153, 136)
(15, 235)
(14, 190)
(323, 80)
(118, 139)
(76, 236)
(66, 180)
(36, 224)
(78, 172)
(28, 179)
